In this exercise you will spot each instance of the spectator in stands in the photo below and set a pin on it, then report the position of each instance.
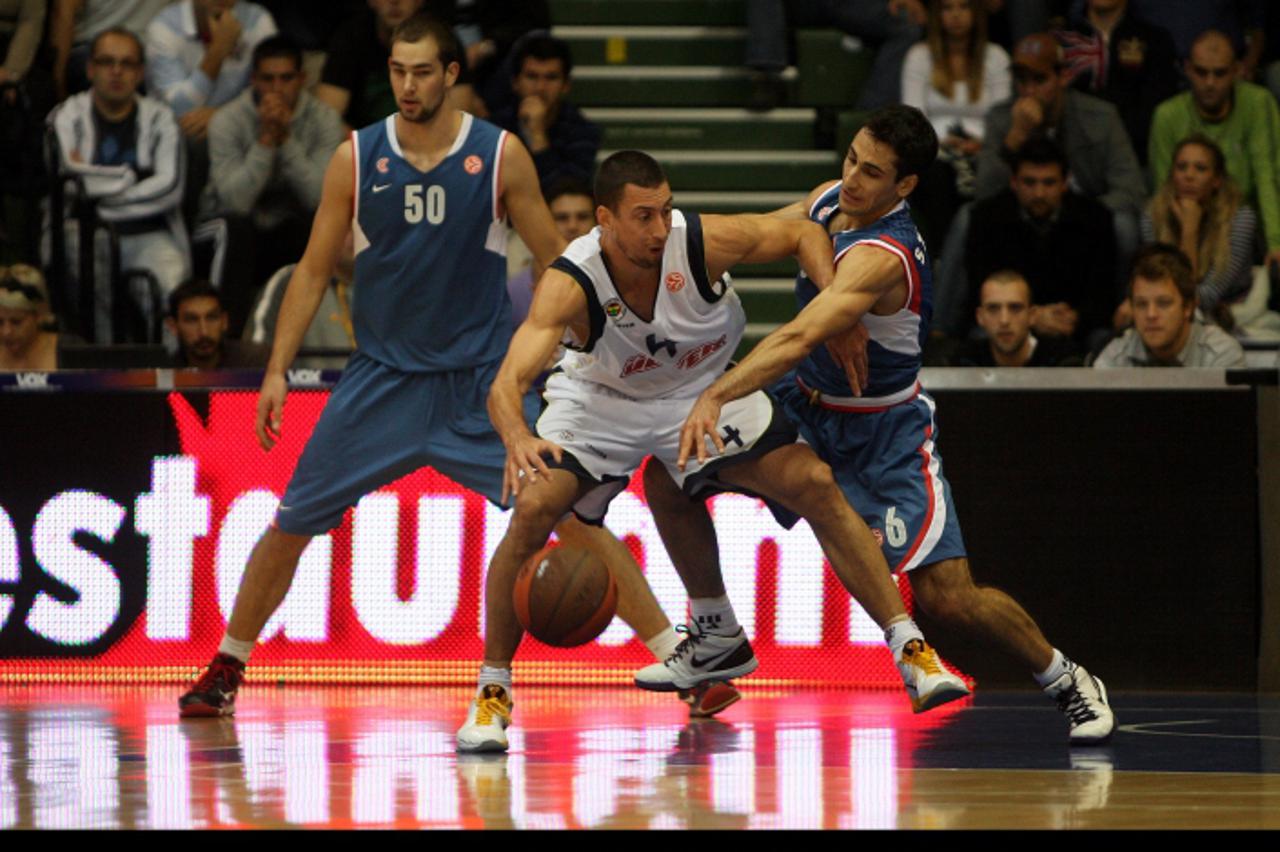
(562, 141)
(1122, 58)
(891, 26)
(127, 150)
(73, 24)
(199, 323)
(28, 340)
(268, 151)
(1006, 314)
(1089, 130)
(355, 82)
(574, 210)
(1241, 20)
(1162, 293)
(200, 52)
(489, 31)
(331, 328)
(26, 94)
(1241, 117)
(953, 77)
(1198, 208)
(1061, 242)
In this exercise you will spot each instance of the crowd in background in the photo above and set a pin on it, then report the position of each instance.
(160, 163)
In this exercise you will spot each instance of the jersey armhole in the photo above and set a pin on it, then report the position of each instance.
(698, 258)
(595, 313)
(498, 156)
(355, 176)
(889, 244)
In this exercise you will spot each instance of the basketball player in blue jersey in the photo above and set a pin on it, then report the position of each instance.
(425, 195)
(878, 432)
(650, 320)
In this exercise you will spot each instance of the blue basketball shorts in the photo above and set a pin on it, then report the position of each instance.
(887, 464)
(382, 423)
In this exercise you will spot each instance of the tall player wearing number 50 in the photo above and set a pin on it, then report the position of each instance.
(426, 194)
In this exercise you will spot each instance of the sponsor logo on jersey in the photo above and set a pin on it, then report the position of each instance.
(614, 309)
(879, 537)
(638, 364)
(675, 282)
(384, 165)
(378, 187)
(698, 354)
(474, 165)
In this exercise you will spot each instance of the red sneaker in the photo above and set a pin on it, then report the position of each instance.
(214, 694)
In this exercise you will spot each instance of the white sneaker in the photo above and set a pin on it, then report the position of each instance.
(927, 680)
(698, 658)
(1083, 700)
(487, 721)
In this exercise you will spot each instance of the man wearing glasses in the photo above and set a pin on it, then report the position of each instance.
(128, 151)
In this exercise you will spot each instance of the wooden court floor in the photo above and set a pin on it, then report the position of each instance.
(119, 758)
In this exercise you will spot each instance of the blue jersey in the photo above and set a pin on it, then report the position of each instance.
(897, 341)
(430, 251)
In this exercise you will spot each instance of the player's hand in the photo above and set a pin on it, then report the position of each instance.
(849, 351)
(524, 460)
(703, 421)
(270, 409)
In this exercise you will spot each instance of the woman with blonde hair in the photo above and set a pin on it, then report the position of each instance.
(954, 76)
(1199, 209)
(25, 344)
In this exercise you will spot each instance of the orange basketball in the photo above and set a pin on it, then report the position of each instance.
(565, 596)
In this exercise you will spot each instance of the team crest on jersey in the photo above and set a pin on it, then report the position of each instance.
(638, 364)
(614, 309)
(383, 165)
(473, 164)
(698, 354)
(675, 282)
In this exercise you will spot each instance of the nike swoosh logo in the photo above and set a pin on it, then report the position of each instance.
(380, 188)
(710, 660)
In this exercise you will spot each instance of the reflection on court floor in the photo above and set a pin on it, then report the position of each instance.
(104, 757)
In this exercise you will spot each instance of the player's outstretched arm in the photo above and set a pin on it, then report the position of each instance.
(864, 276)
(558, 303)
(306, 289)
(749, 238)
(522, 197)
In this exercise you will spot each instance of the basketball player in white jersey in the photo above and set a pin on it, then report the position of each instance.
(650, 320)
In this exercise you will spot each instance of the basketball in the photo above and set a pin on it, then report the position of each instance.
(565, 596)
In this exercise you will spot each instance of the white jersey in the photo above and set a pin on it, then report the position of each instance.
(696, 324)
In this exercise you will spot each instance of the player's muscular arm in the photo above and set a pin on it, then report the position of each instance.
(864, 276)
(558, 303)
(731, 240)
(800, 209)
(306, 288)
(522, 197)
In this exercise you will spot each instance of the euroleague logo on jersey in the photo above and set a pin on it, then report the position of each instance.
(473, 165)
(383, 166)
(675, 282)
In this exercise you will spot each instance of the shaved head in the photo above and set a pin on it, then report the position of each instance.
(1213, 46)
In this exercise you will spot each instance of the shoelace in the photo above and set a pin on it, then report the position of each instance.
(223, 675)
(1076, 706)
(487, 708)
(922, 655)
(693, 635)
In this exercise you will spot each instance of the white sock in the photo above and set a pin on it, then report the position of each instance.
(236, 648)
(715, 615)
(898, 634)
(663, 645)
(488, 675)
(1059, 666)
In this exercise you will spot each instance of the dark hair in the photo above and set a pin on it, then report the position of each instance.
(417, 27)
(626, 167)
(123, 33)
(1039, 151)
(542, 47)
(909, 134)
(567, 186)
(194, 289)
(277, 47)
(1158, 261)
